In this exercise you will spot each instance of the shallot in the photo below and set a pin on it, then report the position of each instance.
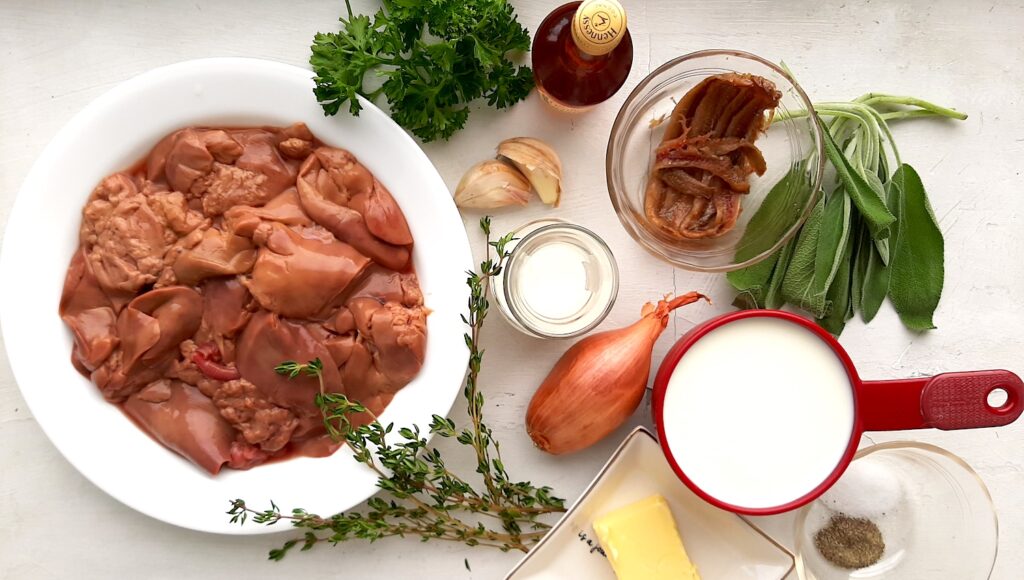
(598, 382)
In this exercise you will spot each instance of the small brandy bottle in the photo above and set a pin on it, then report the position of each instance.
(582, 53)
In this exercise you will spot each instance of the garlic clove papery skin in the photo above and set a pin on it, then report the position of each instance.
(539, 163)
(492, 184)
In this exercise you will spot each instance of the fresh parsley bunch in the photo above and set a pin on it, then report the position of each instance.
(435, 56)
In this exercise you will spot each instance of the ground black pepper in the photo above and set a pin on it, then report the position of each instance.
(850, 542)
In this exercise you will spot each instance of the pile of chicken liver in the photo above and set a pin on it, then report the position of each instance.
(224, 253)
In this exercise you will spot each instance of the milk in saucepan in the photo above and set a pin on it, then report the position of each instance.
(758, 412)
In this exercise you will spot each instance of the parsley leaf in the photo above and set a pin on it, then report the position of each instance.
(429, 58)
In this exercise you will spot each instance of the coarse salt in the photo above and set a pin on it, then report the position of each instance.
(868, 489)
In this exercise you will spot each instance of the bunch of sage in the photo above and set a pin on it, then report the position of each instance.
(873, 235)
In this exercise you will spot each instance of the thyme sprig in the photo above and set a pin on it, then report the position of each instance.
(334, 407)
(422, 496)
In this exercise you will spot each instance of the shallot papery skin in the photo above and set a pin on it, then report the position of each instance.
(598, 382)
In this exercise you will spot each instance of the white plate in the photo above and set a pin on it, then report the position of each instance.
(723, 545)
(112, 133)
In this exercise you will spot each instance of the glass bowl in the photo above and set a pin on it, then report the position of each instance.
(790, 147)
(934, 512)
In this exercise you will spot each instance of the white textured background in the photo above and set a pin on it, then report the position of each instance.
(57, 56)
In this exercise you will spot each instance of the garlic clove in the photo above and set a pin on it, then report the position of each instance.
(539, 163)
(492, 184)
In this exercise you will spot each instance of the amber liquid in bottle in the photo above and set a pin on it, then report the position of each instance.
(569, 77)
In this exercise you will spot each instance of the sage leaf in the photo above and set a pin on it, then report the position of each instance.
(874, 286)
(861, 255)
(876, 278)
(883, 162)
(869, 203)
(779, 210)
(832, 240)
(875, 183)
(751, 282)
(839, 296)
(916, 265)
(882, 247)
(878, 187)
(773, 298)
(798, 284)
(769, 295)
(749, 299)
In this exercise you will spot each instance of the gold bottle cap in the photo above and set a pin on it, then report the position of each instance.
(598, 26)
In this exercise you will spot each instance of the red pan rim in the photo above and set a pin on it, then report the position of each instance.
(685, 342)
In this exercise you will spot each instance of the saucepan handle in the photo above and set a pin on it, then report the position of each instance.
(947, 401)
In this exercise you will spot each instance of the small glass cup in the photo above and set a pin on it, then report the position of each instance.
(560, 280)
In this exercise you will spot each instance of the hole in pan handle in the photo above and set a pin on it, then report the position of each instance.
(947, 401)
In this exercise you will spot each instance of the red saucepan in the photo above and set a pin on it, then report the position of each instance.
(712, 438)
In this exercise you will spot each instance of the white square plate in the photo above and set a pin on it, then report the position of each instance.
(723, 545)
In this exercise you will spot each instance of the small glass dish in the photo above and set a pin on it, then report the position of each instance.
(934, 512)
(721, 544)
(559, 281)
(793, 145)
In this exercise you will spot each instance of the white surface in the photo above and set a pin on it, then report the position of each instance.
(720, 544)
(766, 432)
(55, 57)
(108, 136)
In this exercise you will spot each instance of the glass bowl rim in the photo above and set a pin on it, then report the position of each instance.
(801, 517)
(818, 152)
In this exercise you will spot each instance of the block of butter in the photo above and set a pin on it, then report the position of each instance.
(642, 543)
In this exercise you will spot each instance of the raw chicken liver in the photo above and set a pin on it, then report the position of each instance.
(222, 254)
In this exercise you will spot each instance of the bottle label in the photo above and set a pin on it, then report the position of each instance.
(598, 26)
